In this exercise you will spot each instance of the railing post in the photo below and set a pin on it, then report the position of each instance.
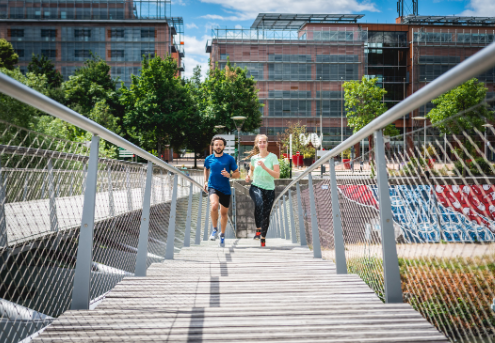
(142, 253)
(82, 277)
(338, 235)
(314, 222)
(292, 224)
(207, 219)
(52, 201)
(129, 189)
(279, 224)
(111, 202)
(187, 234)
(3, 216)
(302, 227)
(169, 252)
(391, 273)
(286, 217)
(197, 239)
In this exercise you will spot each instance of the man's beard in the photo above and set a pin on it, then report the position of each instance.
(217, 152)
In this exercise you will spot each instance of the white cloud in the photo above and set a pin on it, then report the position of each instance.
(191, 26)
(195, 54)
(238, 26)
(249, 9)
(480, 8)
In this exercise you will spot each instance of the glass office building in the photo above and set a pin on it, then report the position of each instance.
(69, 32)
(301, 61)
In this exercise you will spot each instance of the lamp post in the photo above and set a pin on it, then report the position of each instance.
(238, 121)
(424, 135)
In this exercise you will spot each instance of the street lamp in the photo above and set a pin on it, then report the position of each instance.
(424, 136)
(486, 141)
(238, 121)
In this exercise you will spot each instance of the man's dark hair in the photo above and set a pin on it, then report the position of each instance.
(218, 138)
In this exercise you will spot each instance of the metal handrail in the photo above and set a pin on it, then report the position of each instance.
(21, 92)
(471, 67)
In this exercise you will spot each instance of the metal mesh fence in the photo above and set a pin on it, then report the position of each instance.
(42, 187)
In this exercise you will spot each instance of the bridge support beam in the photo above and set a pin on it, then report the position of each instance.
(52, 197)
(187, 234)
(314, 220)
(197, 239)
(142, 253)
(207, 219)
(169, 252)
(337, 223)
(3, 216)
(302, 227)
(286, 217)
(82, 277)
(393, 291)
(292, 223)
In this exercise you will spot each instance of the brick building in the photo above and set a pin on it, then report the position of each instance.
(301, 61)
(68, 32)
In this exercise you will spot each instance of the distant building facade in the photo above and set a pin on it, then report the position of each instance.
(301, 61)
(69, 32)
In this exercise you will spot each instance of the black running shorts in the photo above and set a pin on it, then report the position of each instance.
(224, 199)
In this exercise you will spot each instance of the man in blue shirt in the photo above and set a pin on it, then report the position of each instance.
(218, 167)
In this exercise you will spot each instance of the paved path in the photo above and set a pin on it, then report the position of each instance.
(243, 293)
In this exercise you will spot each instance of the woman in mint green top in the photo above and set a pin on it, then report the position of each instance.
(263, 172)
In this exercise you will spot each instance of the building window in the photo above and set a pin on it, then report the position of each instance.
(148, 53)
(82, 33)
(331, 108)
(117, 55)
(253, 69)
(17, 13)
(20, 52)
(47, 34)
(17, 33)
(289, 58)
(337, 72)
(49, 53)
(117, 33)
(289, 72)
(337, 58)
(147, 33)
(290, 94)
(82, 54)
(289, 108)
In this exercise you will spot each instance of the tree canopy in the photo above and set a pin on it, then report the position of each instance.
(8, 57)
(456, 110)
(41, 65)
(363, 103)
(229, 92)
(158, 105)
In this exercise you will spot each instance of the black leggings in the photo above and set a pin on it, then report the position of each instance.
(263, 201)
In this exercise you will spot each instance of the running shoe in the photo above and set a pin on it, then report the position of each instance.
(214, 235)
(221, 243)
(258, 235)
(263, 242)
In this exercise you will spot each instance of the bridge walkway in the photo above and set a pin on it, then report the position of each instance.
(243, 293)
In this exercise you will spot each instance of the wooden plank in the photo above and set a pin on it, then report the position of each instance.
(243, 294)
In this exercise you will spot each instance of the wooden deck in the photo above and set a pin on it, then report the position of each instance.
(243, 293)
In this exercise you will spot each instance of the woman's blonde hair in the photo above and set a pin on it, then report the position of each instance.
(255, 150)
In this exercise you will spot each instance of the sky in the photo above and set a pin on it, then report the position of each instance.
(201, 16)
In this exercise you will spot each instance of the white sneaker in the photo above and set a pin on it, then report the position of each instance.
(214, 235)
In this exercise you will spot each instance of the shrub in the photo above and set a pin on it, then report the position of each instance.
(284, 169)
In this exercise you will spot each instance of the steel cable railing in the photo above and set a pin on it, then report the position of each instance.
(74, 222)
(414, 216)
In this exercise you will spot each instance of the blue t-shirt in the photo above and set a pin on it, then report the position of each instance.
(216, 165)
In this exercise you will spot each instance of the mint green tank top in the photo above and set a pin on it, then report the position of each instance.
(261, 178)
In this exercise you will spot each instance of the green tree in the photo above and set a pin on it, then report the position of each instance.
(447, 116)
(8, 57)
(158, 106)
(41, 65)
(294, 129)
(202, 127)
(229, 92)
(92, 93)
(16, 112)
(363, 103)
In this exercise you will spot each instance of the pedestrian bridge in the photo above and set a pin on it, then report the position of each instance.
(97, 249)
(243, 293)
